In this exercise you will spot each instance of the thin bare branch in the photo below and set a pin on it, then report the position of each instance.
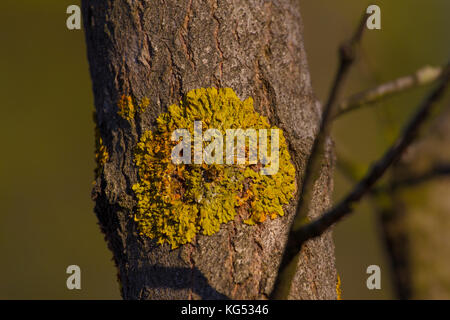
(288, 264)
(391, 222)
(438, 171)
(395, 240)
(351, 171)
(423, 76)
(317, 227)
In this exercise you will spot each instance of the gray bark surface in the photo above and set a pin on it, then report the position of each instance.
(161, 50)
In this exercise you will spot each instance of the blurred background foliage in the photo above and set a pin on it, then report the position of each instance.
(46, 169)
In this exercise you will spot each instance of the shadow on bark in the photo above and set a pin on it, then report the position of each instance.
(177, 279)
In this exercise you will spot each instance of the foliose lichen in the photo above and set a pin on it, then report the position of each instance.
(128, 106)
(175, 202)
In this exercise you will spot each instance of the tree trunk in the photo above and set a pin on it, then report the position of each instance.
(162, 50)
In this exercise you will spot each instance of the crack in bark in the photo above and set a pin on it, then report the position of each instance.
(185, 29)
(175, 75)
(217, 41)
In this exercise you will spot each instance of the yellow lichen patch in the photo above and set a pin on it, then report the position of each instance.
(128, 106)
(338, 288)
(178, 201)
(101, 154)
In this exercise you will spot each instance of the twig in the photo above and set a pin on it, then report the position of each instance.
(393, 233)
(320, 225)
(391, 228)
(351, 172)
(437, 171)
(421, 77)
(391, 222)
(288, 263)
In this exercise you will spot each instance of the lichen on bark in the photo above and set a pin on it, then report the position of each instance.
(162, 50)
(176, 201)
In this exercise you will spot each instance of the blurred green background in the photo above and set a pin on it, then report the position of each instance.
(46, 169)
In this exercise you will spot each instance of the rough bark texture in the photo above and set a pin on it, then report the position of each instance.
(163, 49)
(422, 215)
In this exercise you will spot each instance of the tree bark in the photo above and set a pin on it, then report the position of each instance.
(161, 50)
